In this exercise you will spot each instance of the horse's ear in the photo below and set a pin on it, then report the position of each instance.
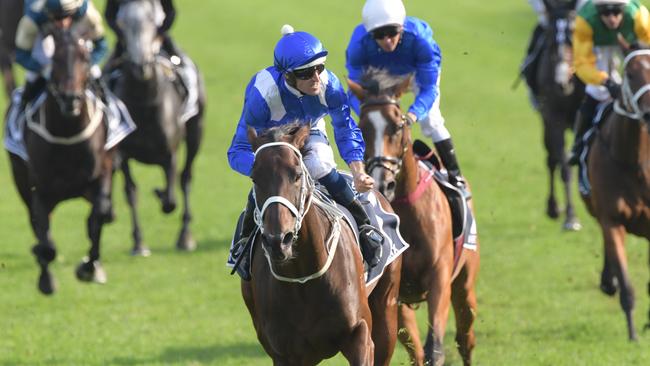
(252, 137)
(357, 90)
(402, 87)
(300, 136)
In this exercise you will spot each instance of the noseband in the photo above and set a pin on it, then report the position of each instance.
(630, 98)
(306, 189)
(382, 161)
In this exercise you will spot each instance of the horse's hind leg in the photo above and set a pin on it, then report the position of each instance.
(194, 132)
(44, 250)
(408, 334)
(614, 238)
(131, 192)
(167, 196)
(463, 297)
(571, 222)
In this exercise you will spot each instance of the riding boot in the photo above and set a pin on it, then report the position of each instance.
(447, 154)
(369, 237)
(31, 91)
(240, 248)
(582, 125)
(529, 66)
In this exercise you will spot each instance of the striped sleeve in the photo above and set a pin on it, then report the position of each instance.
(642, 25)
(584, 59)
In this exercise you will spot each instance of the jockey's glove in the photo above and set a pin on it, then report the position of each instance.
(613, 88)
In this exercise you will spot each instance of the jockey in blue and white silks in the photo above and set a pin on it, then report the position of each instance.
(298, 87)
(389, 39)
(34, 50)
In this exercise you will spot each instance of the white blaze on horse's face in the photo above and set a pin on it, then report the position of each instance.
(379, 124)
(137, 21)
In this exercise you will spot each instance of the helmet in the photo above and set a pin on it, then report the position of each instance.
(610, 2)
(297, 50)
(378, 13)
(64, 8)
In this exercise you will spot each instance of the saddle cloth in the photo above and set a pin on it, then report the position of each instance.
(116, 117)
(602, 111)
(386, 222)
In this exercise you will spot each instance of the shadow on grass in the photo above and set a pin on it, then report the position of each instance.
(217, 355)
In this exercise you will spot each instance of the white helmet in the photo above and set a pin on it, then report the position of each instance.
(610, 2)
(378, 13)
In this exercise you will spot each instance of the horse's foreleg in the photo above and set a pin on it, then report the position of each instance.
(614, 239)
(409, 335)
(359, 349)
(90, 268)
(383, 305)
(192, 141)
(131, 192)
(554, 154)
(571, 222)
(44, 250)
(463, 297)
(167, 196)
(439, 300)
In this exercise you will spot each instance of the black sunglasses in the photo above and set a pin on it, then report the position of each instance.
(308, 73)
(387, 31)
(608, 10)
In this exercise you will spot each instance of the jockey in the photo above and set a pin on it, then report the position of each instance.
(597, 54)
(299, 87)
(165, 22)
(389, 39)
(31, 51)
(529, 66)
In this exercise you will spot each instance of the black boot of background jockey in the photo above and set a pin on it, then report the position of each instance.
(529, 66)
(369, 237)
(239, 248)
(31, 90)
(587, 114)
(447, 154)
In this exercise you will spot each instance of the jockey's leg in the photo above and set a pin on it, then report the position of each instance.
(529, 66)
(587, 113)
(239, 249)
(34, 84)
(369, 237)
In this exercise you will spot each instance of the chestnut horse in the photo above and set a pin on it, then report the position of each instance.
(426, 224)
(307, 295)
(619, 176)
(65, 142)
(10, 13)
(559, 94)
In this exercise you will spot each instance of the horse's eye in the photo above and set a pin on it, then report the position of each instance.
(298, 176)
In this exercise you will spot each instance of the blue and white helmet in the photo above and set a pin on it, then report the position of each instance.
(297, 50)
(64, 8)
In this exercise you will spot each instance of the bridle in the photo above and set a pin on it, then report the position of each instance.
(383, 161)
(630, 99)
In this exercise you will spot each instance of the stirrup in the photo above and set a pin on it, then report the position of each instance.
(371, 244)
(242, 266)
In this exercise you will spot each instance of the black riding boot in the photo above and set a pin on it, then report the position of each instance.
(31, 91)
(529, 66)
(369, 238)
(240, 248)
(587, 114)
(447, 154)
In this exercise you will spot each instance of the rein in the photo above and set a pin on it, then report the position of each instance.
(630, 99)
(306, 198)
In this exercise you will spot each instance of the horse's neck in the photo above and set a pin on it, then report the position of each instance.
(407, 180)
(628, 140)
(59, 124)
(143, 91)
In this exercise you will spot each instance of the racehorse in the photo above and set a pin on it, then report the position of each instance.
(619, 175)
(425, 221)
(560, 93)
(155, 101)
(307, 295)
(65, 140)
(10, 13)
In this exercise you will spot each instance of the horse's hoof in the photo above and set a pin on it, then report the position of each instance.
(46, 283)
(186, 242)
(552, 211)
(168, 207)
(608, 289)
(572, 225)
(141, 251)
(91, 272)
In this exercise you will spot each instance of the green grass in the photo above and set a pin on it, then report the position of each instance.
(538, 298)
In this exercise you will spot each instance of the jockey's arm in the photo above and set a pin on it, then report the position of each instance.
(170, 16)
(240, 152)
(355, 61)
(584, 59)
(642, 25)
(427, 72)
(93, 22)
(26, 34)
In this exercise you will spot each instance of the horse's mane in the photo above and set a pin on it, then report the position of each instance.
(282, 133)
(378, 81)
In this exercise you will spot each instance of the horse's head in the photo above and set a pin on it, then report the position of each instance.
(384, 127)
(282, 187)
(137, 20)
(635, 90)
(561, 19)
(70, 70)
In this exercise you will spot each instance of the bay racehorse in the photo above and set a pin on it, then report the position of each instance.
(65, 140)
(10, 13)
(307, 296)
(425, 222)
(149, 88)
(559, 95)
(619, 176)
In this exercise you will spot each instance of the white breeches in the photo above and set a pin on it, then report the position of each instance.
(319, 158)
(433, 125)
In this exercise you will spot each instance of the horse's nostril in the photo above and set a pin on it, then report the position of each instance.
(288, 239)
(646, 116)
(390, 186)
